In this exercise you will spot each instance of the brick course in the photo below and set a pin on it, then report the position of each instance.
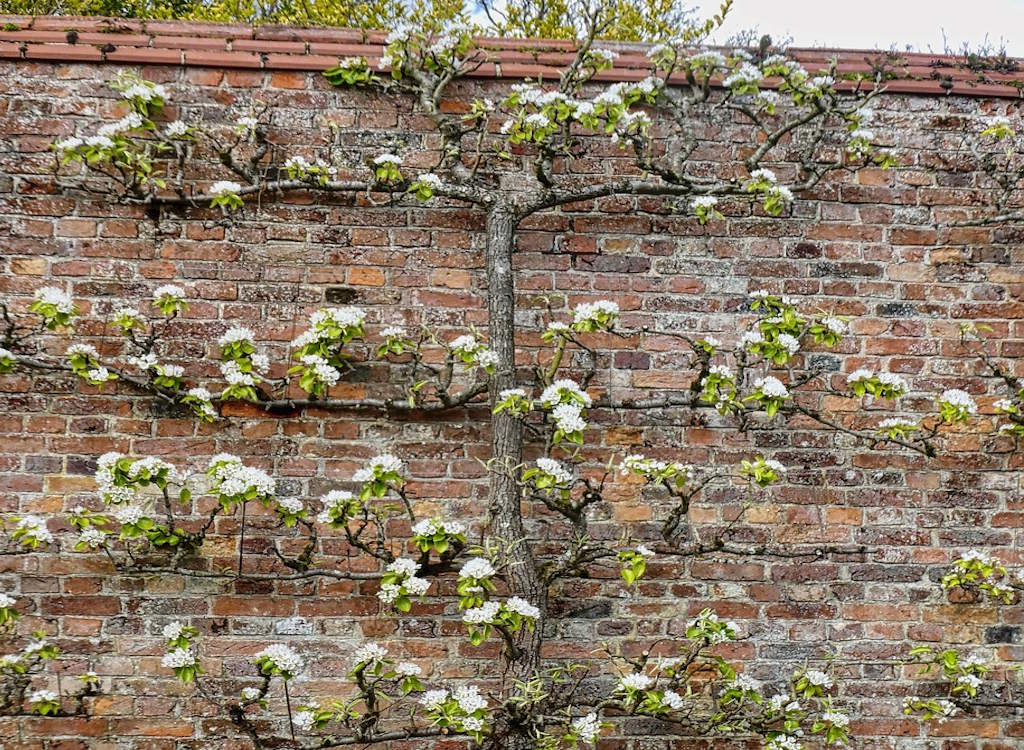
(876, 245)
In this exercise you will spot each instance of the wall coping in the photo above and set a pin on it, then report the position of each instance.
(77, 39)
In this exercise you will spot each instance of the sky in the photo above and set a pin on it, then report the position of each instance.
(881, 24)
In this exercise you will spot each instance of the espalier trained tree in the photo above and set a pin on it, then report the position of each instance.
(507, 159)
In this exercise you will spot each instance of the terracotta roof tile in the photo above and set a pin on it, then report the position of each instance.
(274, 47)
(190, 42)
(63, 53)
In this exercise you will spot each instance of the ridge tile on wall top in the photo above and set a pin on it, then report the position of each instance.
(77, 39)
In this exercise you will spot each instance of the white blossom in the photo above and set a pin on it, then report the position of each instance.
(404, 565)
(431, 526)
(283, 657)
(408, 669)
(764, 174)
(891, 422)
(750, 338)
(959, 398)
(385, 463)
(587, 728)
(778, 702)
(35, 527)
(789, 343)
(894, 382)
(393, 332)
(836, 718)
(99, 141)
(144, 362)
(388, 159)
(304, 720)
(332, 501)
(342, 317)
(708, 58)
(745, 73)
(144, 91)
(973, 661)
(522, 607)
(416, 586)
(432, 699)
(325, 372)
(555, 469)
(704, 201)
(236, 334)
(472, 724)
(771, 387)
(569, 418)
(250, 693)
(477, 567)
(537, 120)
(128, 515)
(369, 653)
(57, 297)
(486, 358)
(859, 374)
(978, 556)
(68, 144)
(291, 505)
(818, 678)
(673, 700)
(82, 350)
(552, 395)
(485, 613)
(783, 742)
(389, 592)
(179, 657)
(585, 311)
(834, 324)
(431, 180)
(177, 128)
(746, 683)
(169, 292)
(465, 343)
(225, 187)
(234, 478)
(635, 681)
(172, 630)
(469, 699)
(131, 121)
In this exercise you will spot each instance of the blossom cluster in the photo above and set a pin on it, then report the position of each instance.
(471, 352)
(434, 534)
(234, 482)
(566, 401)
(400, 582)
(318, 349)
(279, 659)
(379, 475)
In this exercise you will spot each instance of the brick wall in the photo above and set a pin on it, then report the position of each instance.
(869, 245)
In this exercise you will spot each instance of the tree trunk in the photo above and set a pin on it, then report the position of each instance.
(506, 521)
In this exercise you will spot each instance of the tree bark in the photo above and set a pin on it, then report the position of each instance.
(506, 520)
